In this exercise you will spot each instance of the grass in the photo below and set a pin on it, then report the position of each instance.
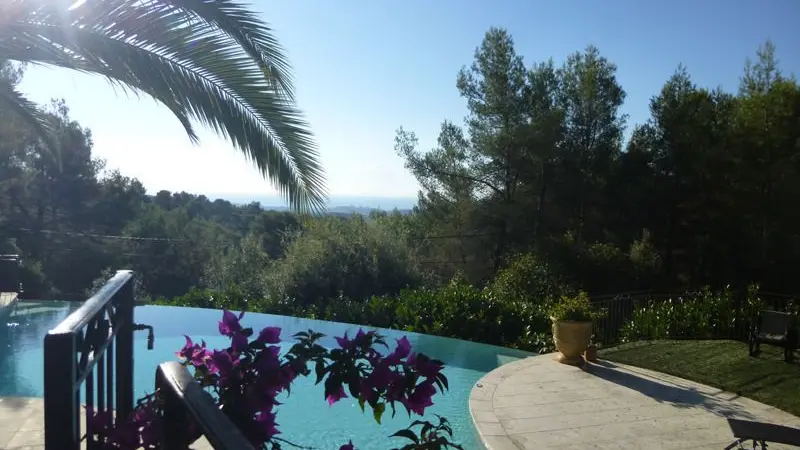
(721, 364)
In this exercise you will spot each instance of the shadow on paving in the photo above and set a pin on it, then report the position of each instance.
(667, 392)
(15, 403)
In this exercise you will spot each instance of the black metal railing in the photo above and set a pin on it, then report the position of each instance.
(10, 273)
(185, 402)
(93, 348)
(733, 321)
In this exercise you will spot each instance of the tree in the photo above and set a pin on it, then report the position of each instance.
(215, 63)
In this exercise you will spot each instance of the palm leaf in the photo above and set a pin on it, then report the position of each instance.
(30, 113)
(209, 61)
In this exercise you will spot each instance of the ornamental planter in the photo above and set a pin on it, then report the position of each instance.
(571, 339)
(590, 354)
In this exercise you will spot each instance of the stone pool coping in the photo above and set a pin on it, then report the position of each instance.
(537, 402)
(22, 425)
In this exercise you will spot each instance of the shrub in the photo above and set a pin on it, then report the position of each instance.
(701, 315)
(334, 257)
(527, 278)
(574, 307)
(455, 310)
(243, 265)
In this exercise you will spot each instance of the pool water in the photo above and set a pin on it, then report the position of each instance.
(304, 418)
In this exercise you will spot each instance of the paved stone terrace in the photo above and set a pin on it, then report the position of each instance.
(538, 403)
(7, 299)
(22, 425)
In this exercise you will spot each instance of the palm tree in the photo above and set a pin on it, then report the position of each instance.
(212, 62)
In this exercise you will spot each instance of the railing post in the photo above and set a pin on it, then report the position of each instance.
(61, 402)
(176, 417)
(124, 350)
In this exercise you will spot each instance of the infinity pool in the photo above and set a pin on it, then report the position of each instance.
(304, 418)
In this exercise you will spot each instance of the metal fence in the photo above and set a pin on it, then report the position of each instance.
(645, 310)
(92, 350)
(10, 273)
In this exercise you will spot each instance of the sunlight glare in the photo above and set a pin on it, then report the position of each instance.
(77, 4)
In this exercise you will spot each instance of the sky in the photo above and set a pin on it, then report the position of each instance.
(364, 68)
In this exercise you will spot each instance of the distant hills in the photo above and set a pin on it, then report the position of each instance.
(337, 204)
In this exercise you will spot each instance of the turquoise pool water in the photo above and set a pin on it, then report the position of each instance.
(304, 417)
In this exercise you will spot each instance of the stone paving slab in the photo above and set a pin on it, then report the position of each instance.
(7, 299)
(538, 403)
(22, 425)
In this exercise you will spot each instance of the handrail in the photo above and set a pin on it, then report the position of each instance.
(184, 398)
(92, 348)
(94, 305)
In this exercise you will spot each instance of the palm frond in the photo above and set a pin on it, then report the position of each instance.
(211, 61)
(30, 113)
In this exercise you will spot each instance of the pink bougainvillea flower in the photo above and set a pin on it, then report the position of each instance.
(336, 395)
(402, 351)
(194, 354)
(424, 366)
(269, 335)
(420, 399)
(230, 323)
(265, 423)
(224, 364)
(239, 342)
(345, 342)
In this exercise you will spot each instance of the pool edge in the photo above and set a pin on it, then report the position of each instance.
(490, 431)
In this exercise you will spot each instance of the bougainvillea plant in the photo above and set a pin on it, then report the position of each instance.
(246, 378)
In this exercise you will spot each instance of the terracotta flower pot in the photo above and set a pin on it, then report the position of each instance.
(571, 339)
(590, 354)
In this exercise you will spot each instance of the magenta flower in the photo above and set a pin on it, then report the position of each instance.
(194, 353)
(381, 376)
(420, 399)
(345, 342)
(424, 366)
(348, 446)
(265, 423)
(100, 420)
(239, 342)
(223, 363)
(267, 360)
(402, 351)
(335, 396)
(230, 323)
(269, 335)
(151, 435)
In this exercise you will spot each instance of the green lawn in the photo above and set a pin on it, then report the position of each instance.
(722, 364)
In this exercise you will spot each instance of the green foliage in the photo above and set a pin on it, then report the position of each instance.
(527, 278)
(243, 265)
(455, 310)
(244, 93)
(704, 314)
(335, 257)
(574, 308)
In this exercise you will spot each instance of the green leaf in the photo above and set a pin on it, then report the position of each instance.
(377, 411)
(320, 370)
(408, 434)
(215, 63)
(361, 402)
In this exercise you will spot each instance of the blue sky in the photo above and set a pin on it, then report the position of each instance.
(364, 68)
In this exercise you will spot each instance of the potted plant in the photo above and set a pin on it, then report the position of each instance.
(590, 354)
(572, 327)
